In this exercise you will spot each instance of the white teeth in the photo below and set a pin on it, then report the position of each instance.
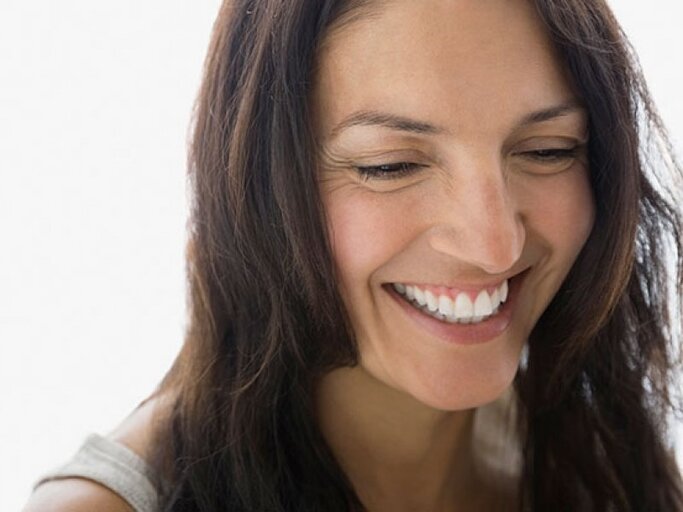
(495, 299)
(432, 303)
(463, 306)
(462, 310)
(420, 297)
(482, 305)
(446, 306)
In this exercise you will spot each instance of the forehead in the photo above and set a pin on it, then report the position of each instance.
(463, 64)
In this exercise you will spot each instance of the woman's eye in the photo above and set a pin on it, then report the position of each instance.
(388, 171)
(549, 160)
(551, 155)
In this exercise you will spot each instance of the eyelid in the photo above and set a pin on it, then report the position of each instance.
(552, 142)
(546, 143)
(548, 155)
(395, 170)
(549, 160)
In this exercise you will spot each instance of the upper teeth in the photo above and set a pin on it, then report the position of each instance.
(462, 307)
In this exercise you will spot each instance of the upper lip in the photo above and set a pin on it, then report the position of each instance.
(468, 285)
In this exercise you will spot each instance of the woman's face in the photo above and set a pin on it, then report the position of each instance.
(492, 190)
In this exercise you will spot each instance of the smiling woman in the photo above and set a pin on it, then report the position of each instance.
(429, 269)
(486, 188)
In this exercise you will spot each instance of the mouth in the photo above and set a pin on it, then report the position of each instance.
(453, 305)
(461, 317)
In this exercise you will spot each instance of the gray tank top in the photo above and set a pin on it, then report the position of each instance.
(113, 465)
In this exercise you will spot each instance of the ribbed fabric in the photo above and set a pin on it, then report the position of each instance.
(113, 465)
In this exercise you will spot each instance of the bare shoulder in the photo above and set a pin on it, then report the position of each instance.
(75, 495)
(136, 432)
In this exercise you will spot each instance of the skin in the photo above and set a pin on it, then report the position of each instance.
(482, 208)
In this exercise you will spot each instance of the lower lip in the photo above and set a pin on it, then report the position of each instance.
(465, 334)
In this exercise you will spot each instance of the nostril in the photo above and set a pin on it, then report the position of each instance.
(493, 240)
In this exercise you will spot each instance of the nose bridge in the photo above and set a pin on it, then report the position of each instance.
(481, 224)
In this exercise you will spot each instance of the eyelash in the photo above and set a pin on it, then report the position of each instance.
(388, 171)
(397, 170)
(552, 154)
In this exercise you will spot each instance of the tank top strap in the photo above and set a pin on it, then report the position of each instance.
(116, 467)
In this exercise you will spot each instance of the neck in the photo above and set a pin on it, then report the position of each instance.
(398, 453)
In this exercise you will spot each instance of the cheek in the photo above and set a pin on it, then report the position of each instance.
(562, 212)
(365, 232)
(576, 215)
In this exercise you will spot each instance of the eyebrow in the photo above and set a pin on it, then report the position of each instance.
(406, 124)
(386, 120)
(547, 114)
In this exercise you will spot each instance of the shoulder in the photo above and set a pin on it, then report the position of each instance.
(136, 433)
(75, 495)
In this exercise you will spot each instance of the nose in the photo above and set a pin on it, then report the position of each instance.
(479, 222)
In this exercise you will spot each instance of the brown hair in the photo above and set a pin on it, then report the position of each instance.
(266, 318)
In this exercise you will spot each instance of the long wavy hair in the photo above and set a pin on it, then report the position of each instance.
(266, 319)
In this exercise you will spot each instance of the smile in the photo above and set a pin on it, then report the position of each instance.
(453, 306)
(458, 316)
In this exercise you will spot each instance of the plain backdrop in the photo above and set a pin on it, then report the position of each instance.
(95, 102)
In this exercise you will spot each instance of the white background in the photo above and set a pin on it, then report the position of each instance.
(95, 101)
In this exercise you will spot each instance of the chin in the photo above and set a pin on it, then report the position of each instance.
(459, 386)
(460, 401)
(468, 389)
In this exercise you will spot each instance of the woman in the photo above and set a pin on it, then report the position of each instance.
(405, 212)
